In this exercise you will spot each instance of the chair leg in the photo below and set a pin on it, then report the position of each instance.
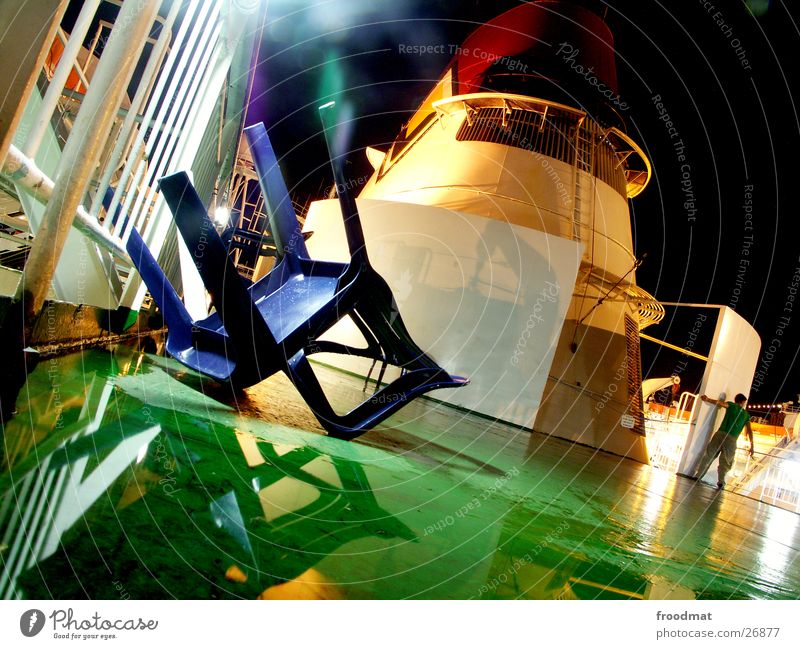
(306, 383)
(373, 349)
(376, 315)
(378, 312)
(373, 410)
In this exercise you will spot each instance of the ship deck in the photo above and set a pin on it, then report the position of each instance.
(127, 476)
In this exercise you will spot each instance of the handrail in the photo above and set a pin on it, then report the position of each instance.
(76, 65)
(448, 105)
(28, 177)
(634, 188)
(507, 101)
(664, 343)
(682, 404)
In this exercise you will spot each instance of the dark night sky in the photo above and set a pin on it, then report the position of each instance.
(739, 128)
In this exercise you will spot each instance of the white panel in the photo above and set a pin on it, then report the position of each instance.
(730, 369)
(485, 298)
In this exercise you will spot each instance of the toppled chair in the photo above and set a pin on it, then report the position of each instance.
(276, 323)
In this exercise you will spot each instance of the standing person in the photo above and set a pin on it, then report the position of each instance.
(723, 442)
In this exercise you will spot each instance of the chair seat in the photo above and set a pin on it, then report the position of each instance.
(298, 300)
(219, 366)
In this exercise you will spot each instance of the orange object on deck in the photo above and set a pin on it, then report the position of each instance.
(53, 57)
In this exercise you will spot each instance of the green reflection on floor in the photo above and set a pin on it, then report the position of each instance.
(122, 478)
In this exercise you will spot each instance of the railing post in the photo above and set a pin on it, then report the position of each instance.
(28, 30)
(82, 150)
(60, 76)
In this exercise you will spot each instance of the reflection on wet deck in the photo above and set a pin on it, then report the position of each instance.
(123, 476)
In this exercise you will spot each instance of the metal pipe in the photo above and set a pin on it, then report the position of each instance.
(82, 151)
(16, 222)
(27, 176)
(664, 343)
(60, 76)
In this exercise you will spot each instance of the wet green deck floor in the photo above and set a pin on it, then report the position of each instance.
(122, 479)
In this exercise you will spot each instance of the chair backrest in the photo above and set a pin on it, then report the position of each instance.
(282, 218)
(228, 293)
(352, 221)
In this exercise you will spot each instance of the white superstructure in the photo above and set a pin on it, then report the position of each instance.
(500, 219)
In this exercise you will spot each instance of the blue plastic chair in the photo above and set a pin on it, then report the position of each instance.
(276, 323)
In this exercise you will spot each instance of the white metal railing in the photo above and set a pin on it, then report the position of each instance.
(684, 399)
(666, 440)
(624, 147)
(158, 131)
(168, 111)
(65, 65)
(772, 477)
(180, 138)
(667, 434)
(130, 129)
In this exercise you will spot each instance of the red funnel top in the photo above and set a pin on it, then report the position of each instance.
(566, 45)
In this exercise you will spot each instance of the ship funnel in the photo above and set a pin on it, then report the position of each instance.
(558, 51)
